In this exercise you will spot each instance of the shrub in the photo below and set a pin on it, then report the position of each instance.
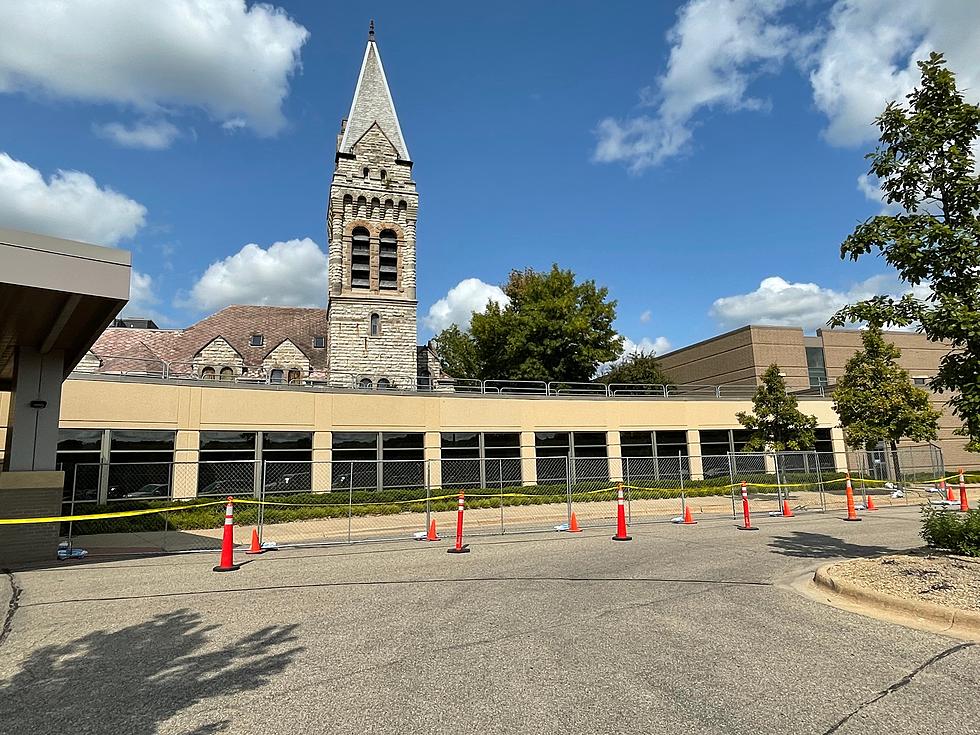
(955, 532)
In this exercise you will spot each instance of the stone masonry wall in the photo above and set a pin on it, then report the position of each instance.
(286, 356)
(391, 354)
(218, 354)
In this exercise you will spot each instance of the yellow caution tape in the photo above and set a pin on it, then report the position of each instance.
(96, 516)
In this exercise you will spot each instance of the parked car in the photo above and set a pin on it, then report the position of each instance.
(151, 490)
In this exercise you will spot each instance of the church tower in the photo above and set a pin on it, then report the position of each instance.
(371, 218)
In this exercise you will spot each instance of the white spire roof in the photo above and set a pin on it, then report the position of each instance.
(372, 104)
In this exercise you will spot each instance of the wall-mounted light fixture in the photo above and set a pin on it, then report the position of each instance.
(38, 404)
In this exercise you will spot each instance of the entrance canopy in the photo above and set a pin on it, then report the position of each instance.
(56, 297)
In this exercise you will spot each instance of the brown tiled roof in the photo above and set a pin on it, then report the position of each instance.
(236, 324)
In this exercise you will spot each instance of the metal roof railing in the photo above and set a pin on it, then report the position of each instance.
(138, 367)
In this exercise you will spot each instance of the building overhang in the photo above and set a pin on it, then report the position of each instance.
(56, 295)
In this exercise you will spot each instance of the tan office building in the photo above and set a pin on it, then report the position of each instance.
(811, 364)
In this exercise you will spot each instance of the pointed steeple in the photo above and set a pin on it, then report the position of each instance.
(372, 104)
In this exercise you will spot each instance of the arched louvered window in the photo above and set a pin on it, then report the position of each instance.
(275, 376)
(208, 373)
(360, 258)
(365, 384)
(375, 325)
(384, 384)
(388, 261)
(227, 373)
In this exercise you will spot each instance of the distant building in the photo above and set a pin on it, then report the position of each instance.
(367, 336)
(810, 363)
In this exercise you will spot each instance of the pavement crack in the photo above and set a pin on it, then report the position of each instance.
(904, 681)
(8, 618)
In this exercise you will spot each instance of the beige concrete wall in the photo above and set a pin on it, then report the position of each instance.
(101, 403)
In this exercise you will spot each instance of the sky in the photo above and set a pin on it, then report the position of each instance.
(703, 160)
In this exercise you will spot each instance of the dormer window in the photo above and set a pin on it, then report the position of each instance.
(319, 342)
(257, 340)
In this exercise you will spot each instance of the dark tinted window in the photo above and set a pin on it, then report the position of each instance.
(74, 440)
(286, 440)
(355, 440)
(226, 440)
(141, 440)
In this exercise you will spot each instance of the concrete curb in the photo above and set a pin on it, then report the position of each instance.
(961, 623)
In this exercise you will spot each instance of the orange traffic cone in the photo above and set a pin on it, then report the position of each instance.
(851, 512)
(573, 525)
(688, 517)
(256, 547)
(964, 501)
(227, 563)
(432, 535)
(787, 513)
(869, 503)
(948, 489)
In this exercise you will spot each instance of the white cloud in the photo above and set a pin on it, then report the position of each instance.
(808, 305)
(222, 56)
(291, 273)
(70, 204)
(717, 47)
(646, 316)
(457, 306)
(861, 55)
(868, 56)
(154, 136)
(657, 346)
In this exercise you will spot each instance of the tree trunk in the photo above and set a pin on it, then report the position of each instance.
(898, 469)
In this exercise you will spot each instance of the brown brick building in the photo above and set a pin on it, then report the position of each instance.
(810, 363)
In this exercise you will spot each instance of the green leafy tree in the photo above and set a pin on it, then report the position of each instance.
(552, 329)
(457, 352)
(637, 368)
(925, 164)
(777, 423)
(876, 401)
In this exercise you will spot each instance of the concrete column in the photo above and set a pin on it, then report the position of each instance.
(614, 452)
(840, 449)
(432, 453)
(529, 466)
(187, 446)
(32, 430)
(321, 473)
(694, 454)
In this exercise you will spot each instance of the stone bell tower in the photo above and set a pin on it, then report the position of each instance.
(371, 218)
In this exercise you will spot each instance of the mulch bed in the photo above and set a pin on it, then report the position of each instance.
(953, 581)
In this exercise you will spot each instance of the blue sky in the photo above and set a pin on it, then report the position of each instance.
(679, 154)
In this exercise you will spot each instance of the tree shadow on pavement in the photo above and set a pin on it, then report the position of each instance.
(133, 679)
(806, 545)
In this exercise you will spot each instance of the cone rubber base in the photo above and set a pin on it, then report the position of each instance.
(256, 552)
(573, 530)
(622, 538)
(232, 568)
(688, 523)
(747, 528)
(464, 549)
(852, 520)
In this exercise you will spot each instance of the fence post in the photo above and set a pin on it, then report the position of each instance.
(428, 494)
(731, 479)
(816, 461)
(350, 500)
(500, 482)
(680, 474)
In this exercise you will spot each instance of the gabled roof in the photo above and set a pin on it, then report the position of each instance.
(373, 104)
(234, 324)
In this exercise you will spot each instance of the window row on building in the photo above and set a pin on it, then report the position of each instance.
(140, 463)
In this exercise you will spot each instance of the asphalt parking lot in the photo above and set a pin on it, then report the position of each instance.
(685, 629)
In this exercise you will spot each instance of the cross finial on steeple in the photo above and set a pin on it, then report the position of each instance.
(371, 31)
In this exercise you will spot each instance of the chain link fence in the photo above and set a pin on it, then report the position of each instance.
(306, 503)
